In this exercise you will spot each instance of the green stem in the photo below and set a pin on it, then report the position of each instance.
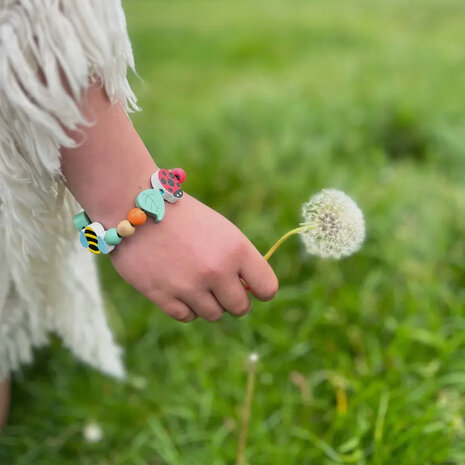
(252, 371)
(282, 239)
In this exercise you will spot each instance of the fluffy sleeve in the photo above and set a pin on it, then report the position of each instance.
(43, 44)
(49, 52)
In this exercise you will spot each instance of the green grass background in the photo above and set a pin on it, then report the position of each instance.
(263, 103)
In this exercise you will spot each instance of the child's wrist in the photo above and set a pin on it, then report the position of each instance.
(116, 197)
(101, 233)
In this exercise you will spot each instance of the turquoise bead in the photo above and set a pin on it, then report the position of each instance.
(112, 237)
(81, 220)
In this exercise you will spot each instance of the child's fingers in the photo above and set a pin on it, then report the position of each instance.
(179, 310)
(232, 296)
(259, 277)
(205, 305)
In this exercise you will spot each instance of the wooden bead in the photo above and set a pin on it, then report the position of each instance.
(137, 217)
(125, 228)
(112, 237)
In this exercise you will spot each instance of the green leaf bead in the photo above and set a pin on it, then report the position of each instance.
(112, 237)
(151, 201)
(81, 220)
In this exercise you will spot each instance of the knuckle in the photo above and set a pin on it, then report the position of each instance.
(210, 271)
(241, 247)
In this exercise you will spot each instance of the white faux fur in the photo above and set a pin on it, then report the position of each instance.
(48, 282)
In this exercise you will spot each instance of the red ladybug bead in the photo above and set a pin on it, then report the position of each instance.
(180, 174)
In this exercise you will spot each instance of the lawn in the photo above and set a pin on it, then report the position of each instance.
(362, 361)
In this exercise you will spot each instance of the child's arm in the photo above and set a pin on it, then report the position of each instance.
(190, 264)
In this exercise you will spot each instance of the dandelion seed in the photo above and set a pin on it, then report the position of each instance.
(92, 432)
(333, 225)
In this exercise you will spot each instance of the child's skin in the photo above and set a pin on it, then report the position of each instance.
(190, 264)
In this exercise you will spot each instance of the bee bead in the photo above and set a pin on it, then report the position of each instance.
(137, 217)
(125, 228)
(92, 239)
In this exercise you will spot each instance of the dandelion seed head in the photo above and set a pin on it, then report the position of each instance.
(92, 432)
(253, 357)
(333, 225)
(138, 382)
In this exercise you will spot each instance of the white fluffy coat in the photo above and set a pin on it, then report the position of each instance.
(48, 282)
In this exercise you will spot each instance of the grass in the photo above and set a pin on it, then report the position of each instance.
(362, 361)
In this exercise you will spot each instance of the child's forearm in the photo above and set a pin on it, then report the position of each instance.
(111, 165)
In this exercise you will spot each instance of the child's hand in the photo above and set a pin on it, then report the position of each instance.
(190, 264)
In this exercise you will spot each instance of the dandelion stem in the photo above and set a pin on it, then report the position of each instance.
(252, 370)
(282, 239)
(341, 400)
(382, 410)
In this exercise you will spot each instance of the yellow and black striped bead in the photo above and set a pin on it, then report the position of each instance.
(92, 240)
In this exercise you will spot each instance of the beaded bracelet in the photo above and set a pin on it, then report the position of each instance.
(166, 185)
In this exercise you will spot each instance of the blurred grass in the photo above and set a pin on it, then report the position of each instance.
(264, 103)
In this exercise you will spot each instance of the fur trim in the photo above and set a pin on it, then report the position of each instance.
(41, 281)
